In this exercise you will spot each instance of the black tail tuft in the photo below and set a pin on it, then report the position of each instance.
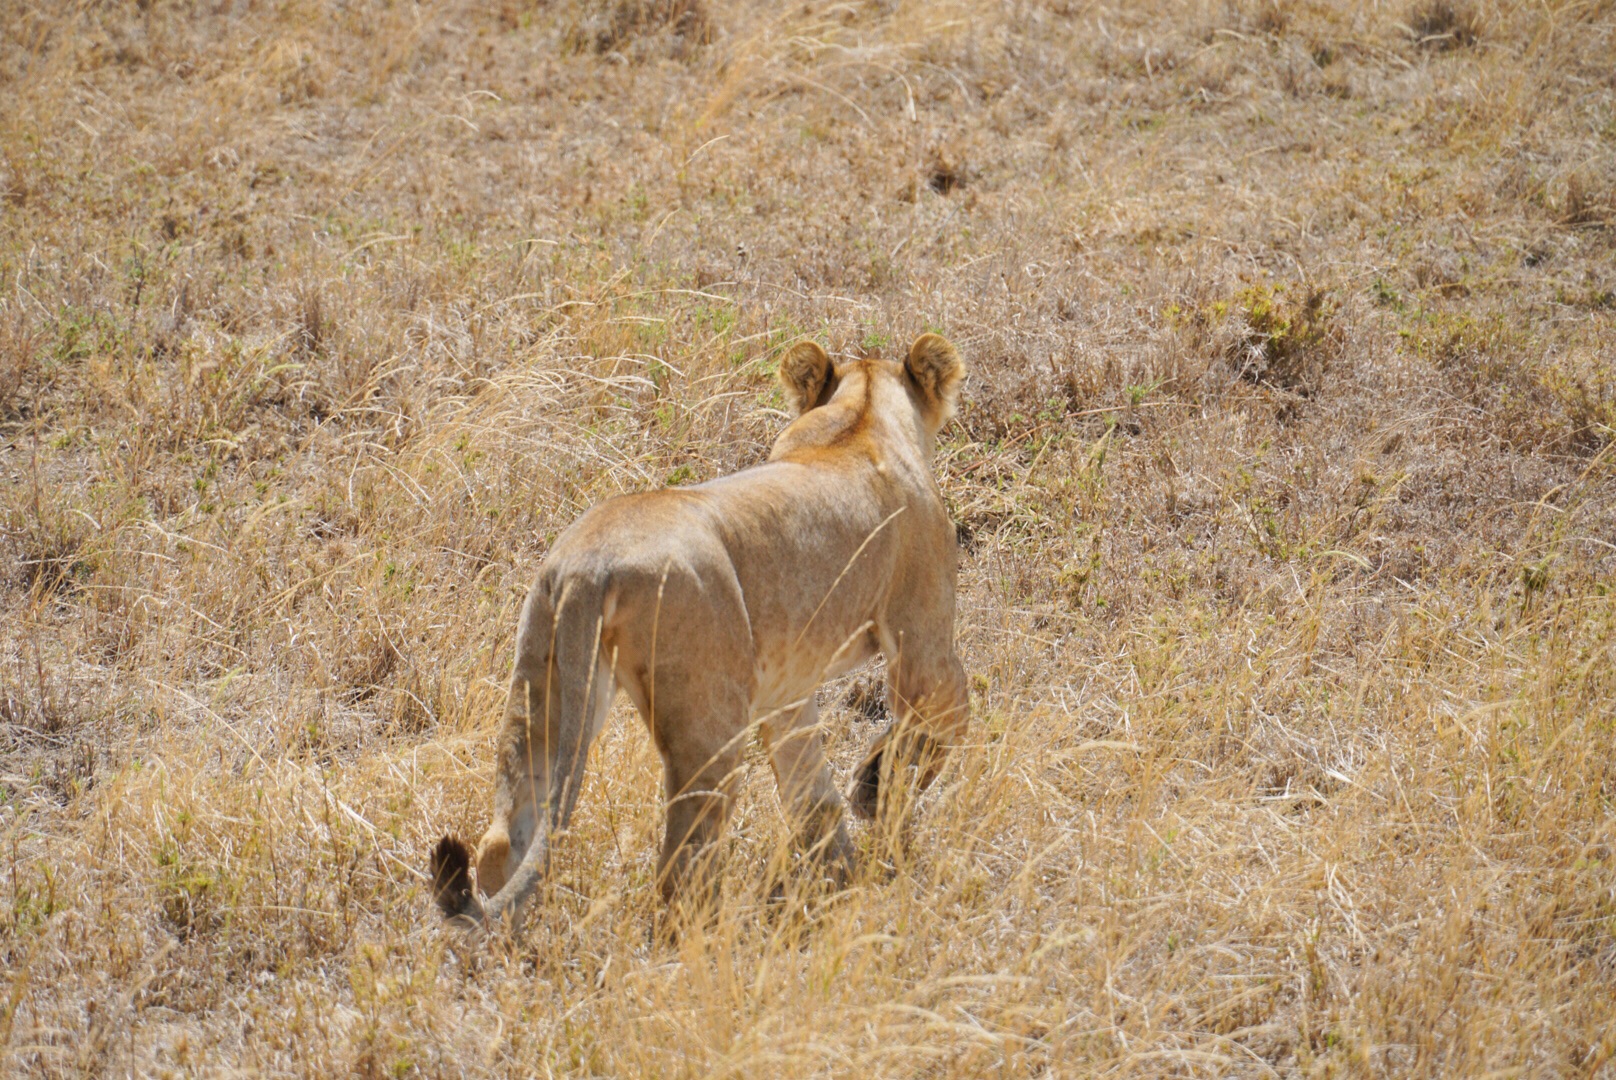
(451, 877)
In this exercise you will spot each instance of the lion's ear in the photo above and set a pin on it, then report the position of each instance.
(935, 368)
(807, 375)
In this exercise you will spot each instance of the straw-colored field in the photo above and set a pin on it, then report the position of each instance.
(1286, 485)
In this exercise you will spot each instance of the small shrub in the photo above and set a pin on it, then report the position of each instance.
(1441, 25)
(49, 551)
(20, 347)
(946, 174)
(867, 698)
(1269, 18)
(1588, 201)
(1530, 402)
(614, 26)
(1280, 341)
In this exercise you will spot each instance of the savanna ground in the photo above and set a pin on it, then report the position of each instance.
(1286, 484)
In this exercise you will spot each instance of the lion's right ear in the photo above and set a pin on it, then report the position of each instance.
(935, 368)
(808, 376)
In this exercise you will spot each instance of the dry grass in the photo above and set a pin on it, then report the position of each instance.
(1286, 487)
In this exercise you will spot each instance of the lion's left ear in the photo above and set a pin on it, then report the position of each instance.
(807, 375)
(935, 368)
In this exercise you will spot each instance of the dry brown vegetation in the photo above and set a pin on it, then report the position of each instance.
(1286, 488)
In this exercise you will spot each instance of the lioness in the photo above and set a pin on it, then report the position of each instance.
(726, 604)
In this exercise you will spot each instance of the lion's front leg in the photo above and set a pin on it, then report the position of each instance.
(929, 697)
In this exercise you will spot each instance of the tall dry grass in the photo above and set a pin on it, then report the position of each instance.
(1285, 486)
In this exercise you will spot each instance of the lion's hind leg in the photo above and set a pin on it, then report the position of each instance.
(699, 779)
(813, 807)
(699, 721)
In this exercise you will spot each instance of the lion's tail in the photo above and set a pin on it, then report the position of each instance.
(562, 646)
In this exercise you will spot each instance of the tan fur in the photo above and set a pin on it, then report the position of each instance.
(721, 607)
(807, 376)
(935, 367)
